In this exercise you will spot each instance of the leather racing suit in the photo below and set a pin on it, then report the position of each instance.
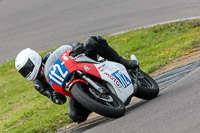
(94, 46)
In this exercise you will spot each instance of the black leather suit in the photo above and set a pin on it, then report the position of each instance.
(95, 45)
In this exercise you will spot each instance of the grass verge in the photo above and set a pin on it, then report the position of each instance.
(23, 109)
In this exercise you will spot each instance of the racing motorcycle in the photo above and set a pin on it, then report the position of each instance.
(104, 87)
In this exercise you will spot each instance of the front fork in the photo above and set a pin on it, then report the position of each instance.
(91, 82)
(134, 77)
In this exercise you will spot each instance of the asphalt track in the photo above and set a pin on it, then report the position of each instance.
(176, 110)
(43, 24)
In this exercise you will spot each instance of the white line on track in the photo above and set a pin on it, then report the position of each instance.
(161, 23)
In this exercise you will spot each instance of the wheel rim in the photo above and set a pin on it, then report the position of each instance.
(92, 93)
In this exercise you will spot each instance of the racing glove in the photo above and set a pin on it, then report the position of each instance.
(77, 48)
(58, 98)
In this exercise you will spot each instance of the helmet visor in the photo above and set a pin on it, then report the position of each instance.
(26, 70)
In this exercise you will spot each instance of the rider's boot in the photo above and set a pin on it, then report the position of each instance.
(129, 64)
(99, 45)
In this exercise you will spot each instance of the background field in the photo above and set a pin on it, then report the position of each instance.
(23, 109)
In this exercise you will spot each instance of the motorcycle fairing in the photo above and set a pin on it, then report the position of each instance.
(116, 75)
(59, 66)
(60, 70)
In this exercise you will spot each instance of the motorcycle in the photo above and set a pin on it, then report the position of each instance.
(104, 87)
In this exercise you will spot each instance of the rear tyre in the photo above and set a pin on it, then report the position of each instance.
(113, 109)
(147, 87)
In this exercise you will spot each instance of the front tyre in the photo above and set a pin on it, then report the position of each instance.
(147, 87)
(88, 98)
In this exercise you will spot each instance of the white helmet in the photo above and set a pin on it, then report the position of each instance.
(28, 63)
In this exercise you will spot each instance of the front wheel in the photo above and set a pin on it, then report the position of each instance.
(107, 105)
(147, 87)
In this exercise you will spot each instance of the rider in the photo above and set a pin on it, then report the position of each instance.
(31, 66)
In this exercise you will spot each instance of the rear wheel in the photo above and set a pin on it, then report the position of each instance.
(107, 105)
(147, 87)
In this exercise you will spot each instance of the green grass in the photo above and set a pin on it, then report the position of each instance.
(23, 109)
(156, 46)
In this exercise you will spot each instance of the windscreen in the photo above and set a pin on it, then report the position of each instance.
(54, 57)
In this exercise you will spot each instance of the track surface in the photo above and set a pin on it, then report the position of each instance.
(176, 110)
(43, 24)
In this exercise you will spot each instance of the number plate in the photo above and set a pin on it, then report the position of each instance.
(58, 73)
